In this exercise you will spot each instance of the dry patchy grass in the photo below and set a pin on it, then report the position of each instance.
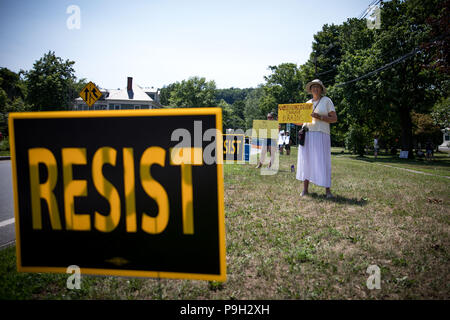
(281, 246)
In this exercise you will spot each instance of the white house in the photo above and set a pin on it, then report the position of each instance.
(445, 146)
(131, 97)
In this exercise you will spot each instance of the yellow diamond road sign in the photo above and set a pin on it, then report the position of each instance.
(90, 94)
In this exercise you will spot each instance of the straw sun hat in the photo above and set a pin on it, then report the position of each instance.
(315, 81)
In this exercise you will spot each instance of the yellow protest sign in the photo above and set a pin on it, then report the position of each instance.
(182, 235)
(295, 112)
(265, 129)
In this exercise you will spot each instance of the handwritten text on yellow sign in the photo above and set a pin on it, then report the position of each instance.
(295, 113)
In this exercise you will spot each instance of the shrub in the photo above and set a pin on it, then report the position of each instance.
(356, 139)
(4, 144)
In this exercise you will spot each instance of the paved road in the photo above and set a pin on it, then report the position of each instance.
(7, 226)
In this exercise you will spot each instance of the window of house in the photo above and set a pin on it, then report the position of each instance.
(126, 106)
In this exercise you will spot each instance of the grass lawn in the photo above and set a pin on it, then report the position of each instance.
(439, 165)
(281, 246)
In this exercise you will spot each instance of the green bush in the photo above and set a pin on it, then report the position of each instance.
(356, 139)
(4, 144)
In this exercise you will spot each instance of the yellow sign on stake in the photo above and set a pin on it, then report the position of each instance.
(295, 113)
(233, 148)
(265, 129)
(90, 94)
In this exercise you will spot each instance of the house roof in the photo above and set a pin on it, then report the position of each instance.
(150, 89)
(137, 94)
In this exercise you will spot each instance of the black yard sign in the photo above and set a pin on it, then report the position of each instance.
(129, 193)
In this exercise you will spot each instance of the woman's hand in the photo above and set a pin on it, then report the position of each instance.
(316, 115)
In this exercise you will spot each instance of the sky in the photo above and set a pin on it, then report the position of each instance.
(159, 42)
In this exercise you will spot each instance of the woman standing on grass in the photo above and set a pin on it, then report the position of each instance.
(314, 157)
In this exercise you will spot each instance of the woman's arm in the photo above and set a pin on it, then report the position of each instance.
(330, 118)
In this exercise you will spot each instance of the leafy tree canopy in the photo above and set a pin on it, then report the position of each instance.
(51, 83)
(194, 92)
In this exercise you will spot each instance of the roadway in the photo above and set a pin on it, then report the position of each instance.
(7, 225)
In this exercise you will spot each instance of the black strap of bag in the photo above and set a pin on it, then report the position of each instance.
(304, 129)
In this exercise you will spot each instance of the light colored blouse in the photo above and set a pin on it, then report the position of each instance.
(324, 107)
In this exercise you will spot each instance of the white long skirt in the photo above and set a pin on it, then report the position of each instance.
(314, 159)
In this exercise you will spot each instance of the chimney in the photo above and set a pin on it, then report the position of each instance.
(130, 84)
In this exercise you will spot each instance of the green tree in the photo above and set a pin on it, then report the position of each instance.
(359, 101)
(12, 84)
(166, 91)
(357, 138)
(401, 83)
(407, 86)
(7, 106)
(238, 109)
(252, 110)
(232, 95)
(12, 94)
(3, 114)
(438, 46)
(424, 128)
(284, 84)
(51, 83)
(227, 115)
(326, 55)
(441, 113)
(330, 47)
(194, 92)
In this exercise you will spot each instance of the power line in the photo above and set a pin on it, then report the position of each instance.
(326, 72)
(386, 66)
(369, 9)
(365, 10)
(361, 16)
(335, 67)
(324, 53)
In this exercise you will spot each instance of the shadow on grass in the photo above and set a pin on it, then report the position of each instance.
(337, 153)
(339, 199)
